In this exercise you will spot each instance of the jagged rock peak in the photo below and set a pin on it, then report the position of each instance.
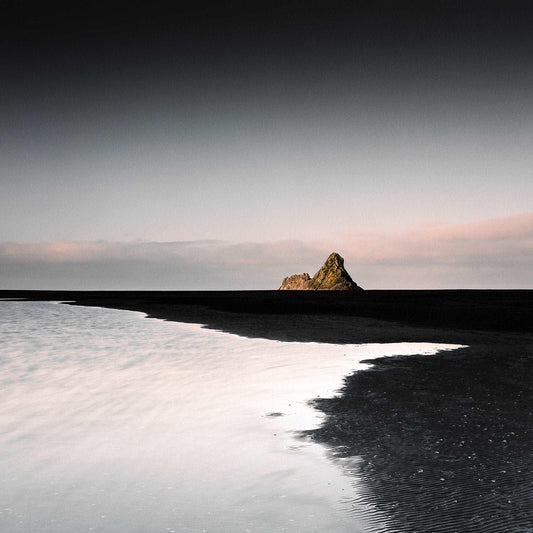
(331, 277)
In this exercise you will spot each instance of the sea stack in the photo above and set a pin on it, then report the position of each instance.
(331, 277)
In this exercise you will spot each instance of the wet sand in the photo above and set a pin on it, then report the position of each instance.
(444, 442)
(440, 443)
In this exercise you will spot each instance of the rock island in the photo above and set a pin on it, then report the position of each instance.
(331, 277)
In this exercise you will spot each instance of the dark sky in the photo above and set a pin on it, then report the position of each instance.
(102, 41)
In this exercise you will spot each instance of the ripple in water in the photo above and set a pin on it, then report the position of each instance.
(111, 422)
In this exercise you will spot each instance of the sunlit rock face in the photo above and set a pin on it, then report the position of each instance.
(296, 282)
(331, 277)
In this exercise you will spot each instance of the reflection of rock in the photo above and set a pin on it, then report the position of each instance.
(331, 277)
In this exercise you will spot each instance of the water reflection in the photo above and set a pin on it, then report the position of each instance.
(111, 422)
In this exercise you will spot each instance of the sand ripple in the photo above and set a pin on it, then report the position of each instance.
(443, 443)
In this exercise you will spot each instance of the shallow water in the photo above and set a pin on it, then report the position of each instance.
(112, 422)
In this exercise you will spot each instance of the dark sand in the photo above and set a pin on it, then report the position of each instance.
(443, 443)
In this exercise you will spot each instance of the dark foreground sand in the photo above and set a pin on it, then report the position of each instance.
(437, 444)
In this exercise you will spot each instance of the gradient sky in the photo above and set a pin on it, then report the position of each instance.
(226, 148)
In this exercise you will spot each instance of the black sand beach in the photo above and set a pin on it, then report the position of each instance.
(443, 443)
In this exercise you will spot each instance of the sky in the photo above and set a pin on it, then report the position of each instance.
(229, 147)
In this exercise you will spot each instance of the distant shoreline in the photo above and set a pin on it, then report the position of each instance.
(455, 316)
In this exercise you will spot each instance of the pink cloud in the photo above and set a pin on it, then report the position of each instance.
(494, 238)
(60, 251)
(488, 253)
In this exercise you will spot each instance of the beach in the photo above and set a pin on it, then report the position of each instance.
(435, 443)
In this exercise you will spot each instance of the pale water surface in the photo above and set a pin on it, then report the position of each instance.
(112, 422)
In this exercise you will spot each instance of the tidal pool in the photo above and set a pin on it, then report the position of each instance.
(112, 422)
